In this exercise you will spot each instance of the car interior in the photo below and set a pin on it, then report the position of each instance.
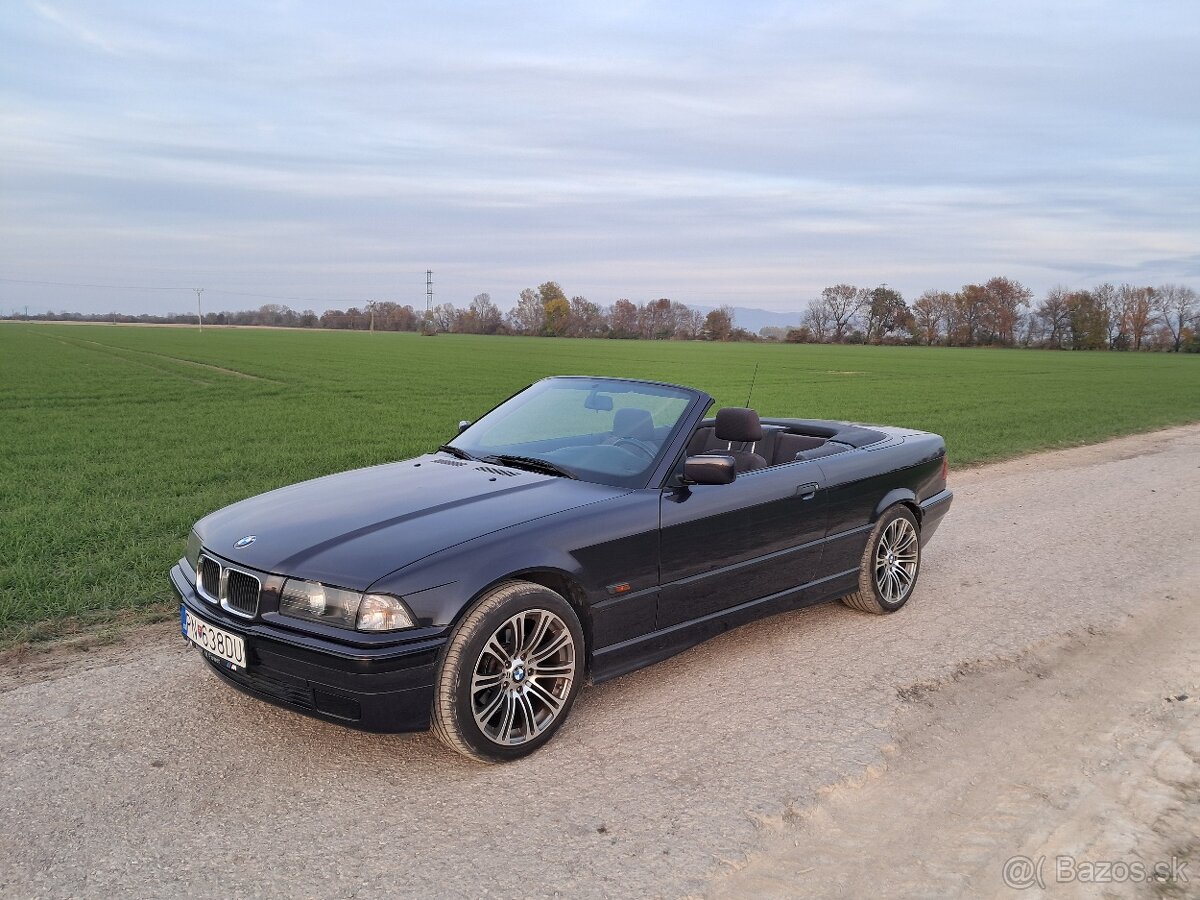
(735, 432)
(755, 444)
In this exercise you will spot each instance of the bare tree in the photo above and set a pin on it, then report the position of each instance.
(529, 315)
(816, 320)
(843, 302)
(1176, 306)
(1055, 316)
(1106, 296)
(689, 323)
(585, 318)
(444, 317)
(484, 315)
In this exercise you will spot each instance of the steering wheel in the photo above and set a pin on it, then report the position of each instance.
(637, 445)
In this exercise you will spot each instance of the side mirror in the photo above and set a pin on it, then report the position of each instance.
(463, 426)
(709, 469)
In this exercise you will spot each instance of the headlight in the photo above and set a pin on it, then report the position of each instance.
(193, 549)
(347, 609)
(319, 603)
(382, 612)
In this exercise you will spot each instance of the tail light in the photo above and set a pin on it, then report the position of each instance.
(945, 467)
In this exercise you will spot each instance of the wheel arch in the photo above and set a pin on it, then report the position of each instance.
(901, 496)
(553, 579)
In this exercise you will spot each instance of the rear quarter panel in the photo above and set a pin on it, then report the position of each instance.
(862, 483)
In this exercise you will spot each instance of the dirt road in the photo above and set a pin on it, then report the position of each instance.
(1018, 705)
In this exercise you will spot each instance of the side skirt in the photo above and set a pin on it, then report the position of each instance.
(626, 656)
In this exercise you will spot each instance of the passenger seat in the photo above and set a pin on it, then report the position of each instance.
(739, 426)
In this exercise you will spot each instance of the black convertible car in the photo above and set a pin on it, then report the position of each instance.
(583, 528)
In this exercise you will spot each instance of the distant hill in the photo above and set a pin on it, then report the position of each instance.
(754, 319)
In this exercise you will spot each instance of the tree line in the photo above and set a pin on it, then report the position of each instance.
(1000, 312)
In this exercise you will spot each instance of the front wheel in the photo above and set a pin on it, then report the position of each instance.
(510, 673)
(890, 563)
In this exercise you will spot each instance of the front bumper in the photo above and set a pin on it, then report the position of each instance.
(387, 688)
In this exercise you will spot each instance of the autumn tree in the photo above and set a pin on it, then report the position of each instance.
(1137, 312)
(718, 324)
(1004, 302)
(557, 316)
(1089, 321)
(885, 311)
(655, 320)
(967, 315)
(929, 312)
(623, 320)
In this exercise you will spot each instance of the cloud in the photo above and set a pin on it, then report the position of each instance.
(716, 152)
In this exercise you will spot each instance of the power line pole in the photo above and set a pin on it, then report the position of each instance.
(428, 292)
(199, 314)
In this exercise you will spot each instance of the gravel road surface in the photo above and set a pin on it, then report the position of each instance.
(129, 770)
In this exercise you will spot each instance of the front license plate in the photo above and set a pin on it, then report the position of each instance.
(217, 641)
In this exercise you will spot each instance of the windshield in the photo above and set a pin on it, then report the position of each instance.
(595, 429)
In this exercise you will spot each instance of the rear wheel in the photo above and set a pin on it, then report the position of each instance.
(890, 563)
(510, 673)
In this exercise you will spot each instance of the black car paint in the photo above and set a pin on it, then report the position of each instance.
(651, 570)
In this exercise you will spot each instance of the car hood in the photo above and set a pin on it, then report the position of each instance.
(353, 528)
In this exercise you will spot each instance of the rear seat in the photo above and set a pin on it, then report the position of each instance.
(788, 447)
(778, 446)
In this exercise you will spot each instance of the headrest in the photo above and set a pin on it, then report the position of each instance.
(737, 424)
(635, 423)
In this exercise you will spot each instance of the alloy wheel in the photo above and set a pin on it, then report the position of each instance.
(523, 677)
(896, 560)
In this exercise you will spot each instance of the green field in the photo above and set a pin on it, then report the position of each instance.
(115, 439)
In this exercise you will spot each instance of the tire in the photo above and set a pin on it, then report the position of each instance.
(509, 674)
(890, 565)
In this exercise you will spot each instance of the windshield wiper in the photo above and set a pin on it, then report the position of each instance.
(456, 451)
(533, 463)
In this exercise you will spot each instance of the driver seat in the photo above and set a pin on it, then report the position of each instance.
(736, 425)
(634, 423)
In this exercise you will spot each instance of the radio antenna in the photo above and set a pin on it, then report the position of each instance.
(753, 378)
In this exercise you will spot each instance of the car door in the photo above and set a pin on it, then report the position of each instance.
(723, 545)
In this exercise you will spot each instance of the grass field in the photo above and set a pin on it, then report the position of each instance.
(115, 439)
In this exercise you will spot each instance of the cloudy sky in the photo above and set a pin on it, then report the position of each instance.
(749, 153)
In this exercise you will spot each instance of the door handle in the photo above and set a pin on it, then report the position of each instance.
(808, 491)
